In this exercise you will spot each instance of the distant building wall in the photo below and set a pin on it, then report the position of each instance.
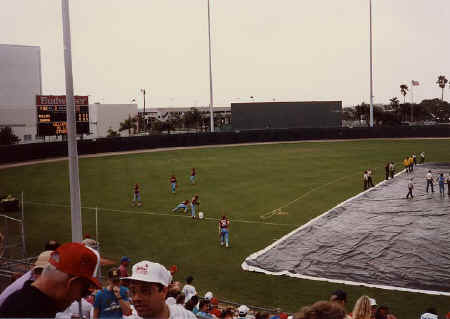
(20, 82)
(109, 116)
(254, 116)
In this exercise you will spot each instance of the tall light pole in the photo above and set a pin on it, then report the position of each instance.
(145, 124)
(75, 198)
(371, 67)
(211, 113)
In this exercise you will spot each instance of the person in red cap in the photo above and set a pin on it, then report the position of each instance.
(68, 277)
(215, 307)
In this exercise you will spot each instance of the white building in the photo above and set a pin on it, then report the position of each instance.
(20, 82)
(104, 117)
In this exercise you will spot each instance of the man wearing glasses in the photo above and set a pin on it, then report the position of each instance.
(148, 288)
(68, 277)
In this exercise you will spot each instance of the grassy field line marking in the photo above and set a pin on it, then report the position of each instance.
(272, 213)
(157, 214)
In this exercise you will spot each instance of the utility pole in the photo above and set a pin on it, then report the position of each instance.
(75, 198)
(211, 103)
(145, 123)
(371, 66)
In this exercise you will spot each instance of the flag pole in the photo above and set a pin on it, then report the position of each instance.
(371, 67)
(211, 101)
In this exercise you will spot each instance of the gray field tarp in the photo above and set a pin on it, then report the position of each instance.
(378, 238)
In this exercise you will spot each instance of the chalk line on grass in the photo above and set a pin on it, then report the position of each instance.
(156, 214)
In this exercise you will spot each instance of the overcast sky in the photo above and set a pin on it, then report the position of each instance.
(271, 49)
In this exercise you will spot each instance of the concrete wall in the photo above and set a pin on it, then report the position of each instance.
(20, 82)
(106, 116)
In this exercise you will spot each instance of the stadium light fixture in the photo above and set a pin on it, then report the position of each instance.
(211, 102)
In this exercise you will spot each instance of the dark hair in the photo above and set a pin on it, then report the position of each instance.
(180, 298)
(262, 315)
(379, 314)
(203, 302)
(321, 310)
(189, 279)
(51, 245)
(191, 303)
(339, 295)
(431, 310)
(226, 312)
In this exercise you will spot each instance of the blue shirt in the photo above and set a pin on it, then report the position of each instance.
(107, 303)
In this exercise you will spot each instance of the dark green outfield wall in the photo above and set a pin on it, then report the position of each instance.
(281, 115)
(27, 152)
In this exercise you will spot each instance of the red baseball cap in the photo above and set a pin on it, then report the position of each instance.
(77, 260)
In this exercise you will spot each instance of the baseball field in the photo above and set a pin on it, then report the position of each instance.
(265, 190)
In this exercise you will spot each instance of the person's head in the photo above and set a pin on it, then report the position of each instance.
(224, 217)
(373, 305)
(227, 314)
(125, 261)
(180, 298)
(191, 303)
(382, 312)
(214, 302)
(442, 174)
(362, 308)
(429, 171)
(114, 277)
(209, 295)
(242, 311)
(339, 296)
(69, 274)
(321, 310)
(174, 289)
(173, 269)
(148, 286)
(204, 305)
(262, 315)
(189, 280)
(51, 245)
(41, 262)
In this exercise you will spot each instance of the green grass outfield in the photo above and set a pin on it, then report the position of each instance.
(244, 182)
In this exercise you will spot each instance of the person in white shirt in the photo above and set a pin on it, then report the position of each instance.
(74, 311)
(188, 289)
(148, 286)
(366, 180)
(429, 178)
(410, 189)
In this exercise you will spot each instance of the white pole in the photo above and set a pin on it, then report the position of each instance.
(211, 103)
(75, 198)
(371, 75)
(24, 248)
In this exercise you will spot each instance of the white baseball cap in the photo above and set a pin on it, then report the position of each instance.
(373, 302)
(428, 316)
(243, 309)
(209, 295)
(150, 272)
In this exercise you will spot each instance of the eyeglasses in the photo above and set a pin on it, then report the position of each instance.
(141, 289)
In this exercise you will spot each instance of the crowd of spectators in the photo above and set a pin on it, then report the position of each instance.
(63, 284)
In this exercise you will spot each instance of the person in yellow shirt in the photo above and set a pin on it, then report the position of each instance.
(411, 163)
(406, 164)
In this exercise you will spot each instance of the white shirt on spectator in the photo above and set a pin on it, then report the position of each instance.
(429, 177)
(189, 291)
(171, 301)
(178, 312)
(74, 309)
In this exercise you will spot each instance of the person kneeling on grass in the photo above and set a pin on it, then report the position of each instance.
(183, 205)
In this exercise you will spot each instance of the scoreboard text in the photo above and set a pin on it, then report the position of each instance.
(51, 114)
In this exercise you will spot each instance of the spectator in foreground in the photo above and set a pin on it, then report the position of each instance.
(112, 301)
(383, 313)
(243, 312)
(51, 245)
(321, 310)
(373, 305)
(204, 308)
(215, 307)
(149, 284)
(123, 268)
(29, 277)
(227, 314)
(362, 308)
(430, 313)
(188, 289)
(191, 305)
(340, 297)
(67, 278)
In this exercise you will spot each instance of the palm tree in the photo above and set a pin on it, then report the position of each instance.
(128, 124)
(404, 90)
(442, 82)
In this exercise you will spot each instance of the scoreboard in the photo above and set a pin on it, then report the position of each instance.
(52, 117)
